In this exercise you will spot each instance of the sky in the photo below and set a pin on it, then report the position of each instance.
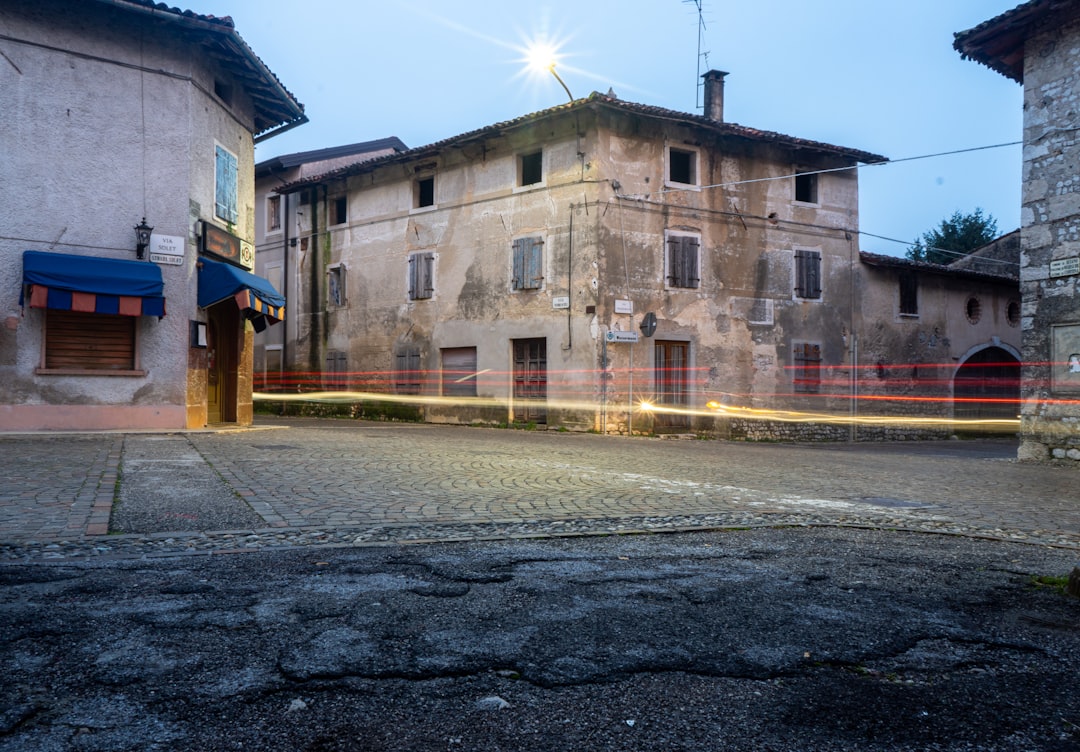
(875, 76)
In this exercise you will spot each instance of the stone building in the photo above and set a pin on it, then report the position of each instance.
(275, 234)
(569, 267)
(116, 115)
(1037, 44)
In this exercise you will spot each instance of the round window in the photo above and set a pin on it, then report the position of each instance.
(1012, 312)
(974, 310)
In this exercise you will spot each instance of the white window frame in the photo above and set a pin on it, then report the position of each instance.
(520, 171)
(668, 236)
(340, 271)
(414, 196)
(696, 167)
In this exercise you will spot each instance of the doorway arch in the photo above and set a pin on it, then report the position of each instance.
(987, 385)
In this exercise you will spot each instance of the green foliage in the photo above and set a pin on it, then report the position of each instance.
(955, 237)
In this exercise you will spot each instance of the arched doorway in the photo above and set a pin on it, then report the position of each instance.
(987, 386)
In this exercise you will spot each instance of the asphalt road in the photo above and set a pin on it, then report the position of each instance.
(773, 639)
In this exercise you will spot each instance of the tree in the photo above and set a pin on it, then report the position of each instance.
(955, 237)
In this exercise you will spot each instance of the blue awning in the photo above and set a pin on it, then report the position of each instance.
(254, 295)
(92, 284)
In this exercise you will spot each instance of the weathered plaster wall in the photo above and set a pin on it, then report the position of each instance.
(91, 143)
(1050, 231)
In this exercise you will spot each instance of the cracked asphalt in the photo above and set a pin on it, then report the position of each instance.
(340, 586)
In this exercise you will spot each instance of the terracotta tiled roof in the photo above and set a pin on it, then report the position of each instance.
(898, 262)
(999, 43)
(598, 101)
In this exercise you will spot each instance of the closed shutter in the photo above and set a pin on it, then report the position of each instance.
(683, 261)
(459, 372)
(89, 341)
(808, 274)
(806, 367)
(407, 371)
(225, 189)
(421, 275)
(528, 264)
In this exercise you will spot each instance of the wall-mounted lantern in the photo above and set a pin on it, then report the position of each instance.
(142, 237)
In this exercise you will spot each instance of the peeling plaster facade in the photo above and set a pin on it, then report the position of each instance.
(112, 112)
(1037, 44)
(741, 243)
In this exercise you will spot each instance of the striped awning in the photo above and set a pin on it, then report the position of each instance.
(91, 284)
(255, 296)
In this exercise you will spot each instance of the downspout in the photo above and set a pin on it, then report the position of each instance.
(289, 310)
(315, 338)
(570, 285)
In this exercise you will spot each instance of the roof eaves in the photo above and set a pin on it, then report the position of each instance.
(898, 262)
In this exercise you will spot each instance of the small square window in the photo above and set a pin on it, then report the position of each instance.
(339, 208)
(806, 187)
(682, 166)
(531, 168)
(424, 192)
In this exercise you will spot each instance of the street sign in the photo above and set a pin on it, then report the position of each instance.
(622, 336)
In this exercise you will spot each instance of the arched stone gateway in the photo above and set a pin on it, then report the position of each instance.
(987, 385)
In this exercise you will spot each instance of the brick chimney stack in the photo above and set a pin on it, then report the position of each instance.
(714, 95)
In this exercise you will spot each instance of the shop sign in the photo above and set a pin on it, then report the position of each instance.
(227, 247)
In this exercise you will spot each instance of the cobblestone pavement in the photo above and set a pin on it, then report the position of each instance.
(331, 482)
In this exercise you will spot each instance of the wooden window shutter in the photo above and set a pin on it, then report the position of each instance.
(518, 264)
(808, 274)
(89, 341)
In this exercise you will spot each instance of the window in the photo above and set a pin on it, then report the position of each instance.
(973, 309)
(808, 274)
(335, 289)
(421, 275)
(424, 192)
(806, 367)
(223, 91)
(459, 372)
(225, 171)
(531, 168)
(682, 260)
(806, 187)
(407, 371)
(909, 294)
(1012, 312)
(528, 272)
(76, 341)
(273, 213)
(336, 375)
(682, 166)
(339, 210)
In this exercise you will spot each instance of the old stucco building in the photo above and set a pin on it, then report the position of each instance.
(1037, 44)
(121, 114)
(276, 241)
(567, 266)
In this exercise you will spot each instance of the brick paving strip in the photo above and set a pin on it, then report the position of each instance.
(341, 485)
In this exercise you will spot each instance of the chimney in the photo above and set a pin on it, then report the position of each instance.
(714, 95)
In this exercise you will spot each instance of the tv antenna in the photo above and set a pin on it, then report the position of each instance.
(702, 56)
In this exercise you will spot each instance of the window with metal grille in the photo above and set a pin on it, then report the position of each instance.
(909, 294)
(682, 260)
(808, 274)
(421, 275)
(806, 367)
(528, 271)
(459, 372)
(76, 341)
(407, 375)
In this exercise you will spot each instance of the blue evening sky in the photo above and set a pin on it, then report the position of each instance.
(876, 76)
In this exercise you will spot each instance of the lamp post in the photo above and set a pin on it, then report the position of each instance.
(551, 69)
(142, 238)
